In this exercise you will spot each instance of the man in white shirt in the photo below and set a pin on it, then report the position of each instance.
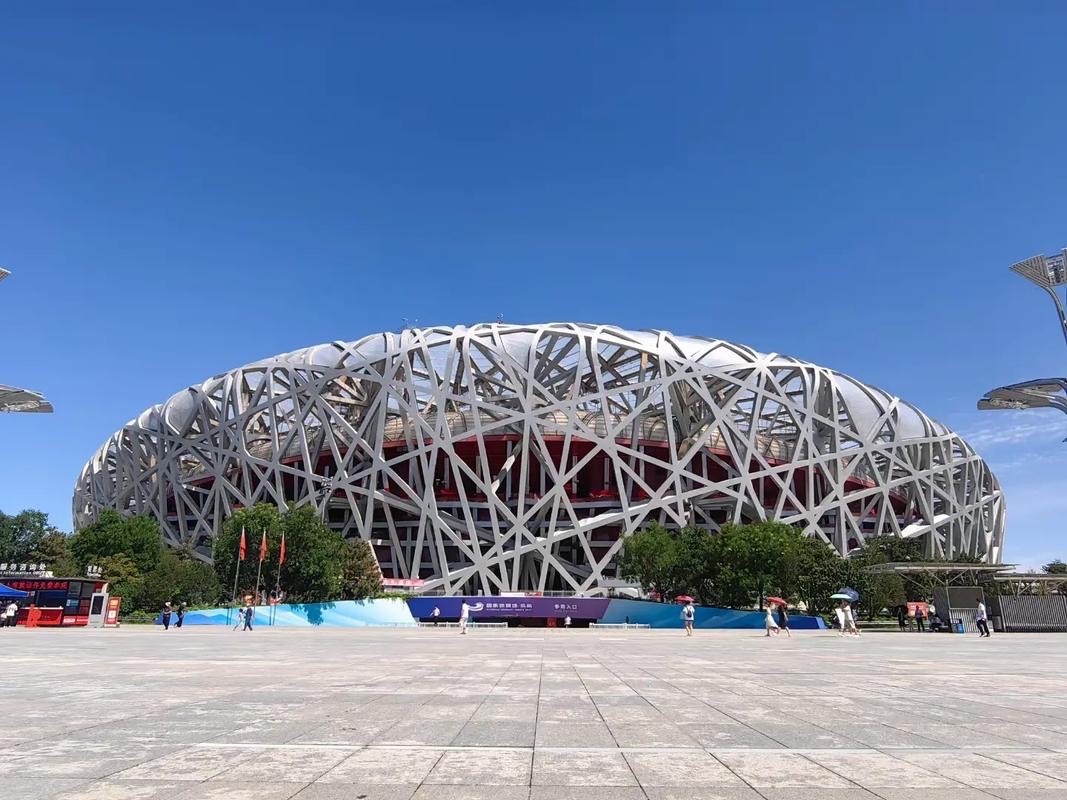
(436, 613)
(981, 621)
(11, 617)
(464, 615)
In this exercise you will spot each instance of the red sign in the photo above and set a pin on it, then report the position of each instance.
(111, 619)
(35, 584)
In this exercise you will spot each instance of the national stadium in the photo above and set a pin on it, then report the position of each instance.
(505, 457)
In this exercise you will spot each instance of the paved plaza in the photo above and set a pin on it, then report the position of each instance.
(334, 714)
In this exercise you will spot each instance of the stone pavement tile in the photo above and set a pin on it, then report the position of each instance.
(581, 768)
(873, 770)
(563, 734)
(189, 764)
(386, 765)
(1052, 764)
(935, 794)
(228, 790)
(957, 735)
(444, 792)
(296, 764)
(350, 791)
(108, 789)
(593, 793)
(680, 768)
(413, 732)
(1023, 734)
(815, 793)
(779, 770)
(492, 711)
(730, 735)
(980, 772)
(490, 767)
(25, 788)
(438, 711)
(500, 733)
(344, 732)
(280, 732)
(803, 736)
(1026, 794)
(875, 735)
(701, 793)
(653, 735)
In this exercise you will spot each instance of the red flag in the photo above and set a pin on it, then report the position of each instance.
(241, 549)
(281, 552)
(263, 547)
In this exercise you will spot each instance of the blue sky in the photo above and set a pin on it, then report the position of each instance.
(185, 192)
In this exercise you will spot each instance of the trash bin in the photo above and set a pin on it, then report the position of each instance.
(958, 625)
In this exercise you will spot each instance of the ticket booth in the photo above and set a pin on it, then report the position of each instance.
(63, 602)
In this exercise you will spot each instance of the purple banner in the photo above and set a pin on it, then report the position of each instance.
(503, 607)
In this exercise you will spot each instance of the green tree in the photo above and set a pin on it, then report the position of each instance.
(125, 579)
(54, 551)
(820, 573)
(138, 538)
(653, 557)
(176, 579)
(360, 575)
(757, 560)
(315, 555)
(254, 521)
(1056, 567)
(21, 534)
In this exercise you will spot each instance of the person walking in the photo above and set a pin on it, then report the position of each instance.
(248, 613)
(981, 620)
(839, 612)
(11, 614)
(180, 615)
(166, 616)
(920, 618)
(566, 621)
(435, 615)
(902, 617)
(464, 616)
(850, 620)
(689, 613)
(783, 621)
(769, 622)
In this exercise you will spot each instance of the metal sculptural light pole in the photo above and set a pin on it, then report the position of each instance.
(13, 399)
(1048, 273)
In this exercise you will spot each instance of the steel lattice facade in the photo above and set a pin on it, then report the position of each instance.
(506, 457)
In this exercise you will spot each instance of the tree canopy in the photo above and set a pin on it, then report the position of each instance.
(319, 564)
(743, 564)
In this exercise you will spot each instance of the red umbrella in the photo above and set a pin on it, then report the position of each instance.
(777, 600)
(683, 598)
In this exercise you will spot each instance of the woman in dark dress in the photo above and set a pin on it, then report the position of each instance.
(166, 616)
(783, 621)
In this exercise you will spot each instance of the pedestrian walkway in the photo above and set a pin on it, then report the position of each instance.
(416, 714)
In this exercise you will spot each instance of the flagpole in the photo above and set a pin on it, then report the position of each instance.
(259, 569)
(278, 581)
(237, 573)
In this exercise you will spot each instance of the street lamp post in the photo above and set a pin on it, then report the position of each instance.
(1048, 273)
(13, 399)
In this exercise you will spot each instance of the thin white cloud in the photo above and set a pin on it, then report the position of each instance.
(1015, 432)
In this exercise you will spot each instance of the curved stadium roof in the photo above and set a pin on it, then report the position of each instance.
(690, 429)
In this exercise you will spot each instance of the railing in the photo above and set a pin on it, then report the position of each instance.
(1032, 612)
(619, 626)
(470, 625)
